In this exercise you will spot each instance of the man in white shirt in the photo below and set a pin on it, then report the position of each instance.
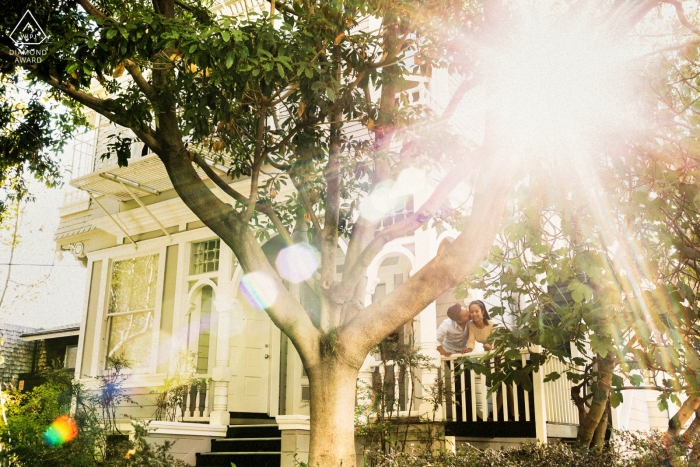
(453, 333)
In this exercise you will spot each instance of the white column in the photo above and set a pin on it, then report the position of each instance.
(540, 410)
(425, 248)
(224, 306)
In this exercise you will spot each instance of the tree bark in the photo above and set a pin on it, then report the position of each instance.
(599, 434)
(601, 395)
(694, 425)
(333, 386)
(678, 421)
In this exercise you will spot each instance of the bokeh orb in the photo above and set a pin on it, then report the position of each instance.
(259, 290)
(297, 263)
(62, 430)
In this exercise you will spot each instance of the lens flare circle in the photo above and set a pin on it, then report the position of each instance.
(297, 263)
(259, 290)
(62, 430)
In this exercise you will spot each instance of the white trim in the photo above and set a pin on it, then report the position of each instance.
(51, 335)
(274, 378)
(293, 422)
(152, 244)
(158, 311)
(83, 319)
(187, 429)
(99, 342)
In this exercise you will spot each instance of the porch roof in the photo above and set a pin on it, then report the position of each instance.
(143, 177)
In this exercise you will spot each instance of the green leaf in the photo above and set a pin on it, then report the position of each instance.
(309, 73)
(229, 59)
(193, 48)
(552, 377)
(124, 33)
(280, 70)
(636, 380)
(615, 399)
(331, 94)
(111, 33)
(226, 36)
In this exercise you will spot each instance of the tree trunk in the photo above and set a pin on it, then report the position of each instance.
(676, 423)
(601, 395)
(332, 384)
(694, 425)
(599, 434)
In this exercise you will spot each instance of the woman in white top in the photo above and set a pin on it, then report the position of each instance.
(453, 332)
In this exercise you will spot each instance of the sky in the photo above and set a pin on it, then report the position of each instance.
(43, 291)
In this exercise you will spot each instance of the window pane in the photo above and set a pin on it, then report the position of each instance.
(205, 257)
(71, 356)
(131, 336)
(134, 284)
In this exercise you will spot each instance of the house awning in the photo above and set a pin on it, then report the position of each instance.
(52, 333)
(145, 176)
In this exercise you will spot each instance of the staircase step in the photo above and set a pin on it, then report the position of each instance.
(270, 444)
(241, 459)
(253, 431)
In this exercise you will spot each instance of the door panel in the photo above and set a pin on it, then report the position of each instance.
(249, 389)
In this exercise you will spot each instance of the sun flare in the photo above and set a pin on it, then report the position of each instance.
(555, 90)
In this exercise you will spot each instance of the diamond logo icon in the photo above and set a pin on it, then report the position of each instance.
(28, 31)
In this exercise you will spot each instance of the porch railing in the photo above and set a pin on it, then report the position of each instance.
(398, 386)
(196, 405)
(466, 396)
(560, 408)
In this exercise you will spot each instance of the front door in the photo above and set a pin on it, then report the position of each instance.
(249, 390)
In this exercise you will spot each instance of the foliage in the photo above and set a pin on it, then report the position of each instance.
(173, 394)
(523, 456)
(630, 449)
(377, 415)
(30, 414)
(110, 392)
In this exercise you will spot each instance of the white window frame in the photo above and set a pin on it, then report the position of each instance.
(150, 364)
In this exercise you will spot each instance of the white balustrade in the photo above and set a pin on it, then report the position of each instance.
(471, 403)
(197, 403)
(560, 408)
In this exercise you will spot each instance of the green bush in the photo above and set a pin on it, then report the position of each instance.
(29, 414)
(630, 449)
(527, 455)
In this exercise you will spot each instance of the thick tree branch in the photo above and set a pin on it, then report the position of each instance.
(681, 16)
(264, 208)
(225, 222)
(407, 226)
(91, 9)
(258, 160)
(308, 206)
(140, 81)
(451, 265)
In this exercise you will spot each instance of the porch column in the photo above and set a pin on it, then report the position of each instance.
(540, 401)
(224, 305)
(426, 247)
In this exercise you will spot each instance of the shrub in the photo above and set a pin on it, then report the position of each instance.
(630, 449)
(29, 414)
(527, 455)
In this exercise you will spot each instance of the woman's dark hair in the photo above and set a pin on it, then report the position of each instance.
(454, 311)
(484, 313)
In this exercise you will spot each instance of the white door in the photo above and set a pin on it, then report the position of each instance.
(250, 361)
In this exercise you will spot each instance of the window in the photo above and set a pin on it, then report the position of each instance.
(205, 257)
(71, 356)
(131, 307)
